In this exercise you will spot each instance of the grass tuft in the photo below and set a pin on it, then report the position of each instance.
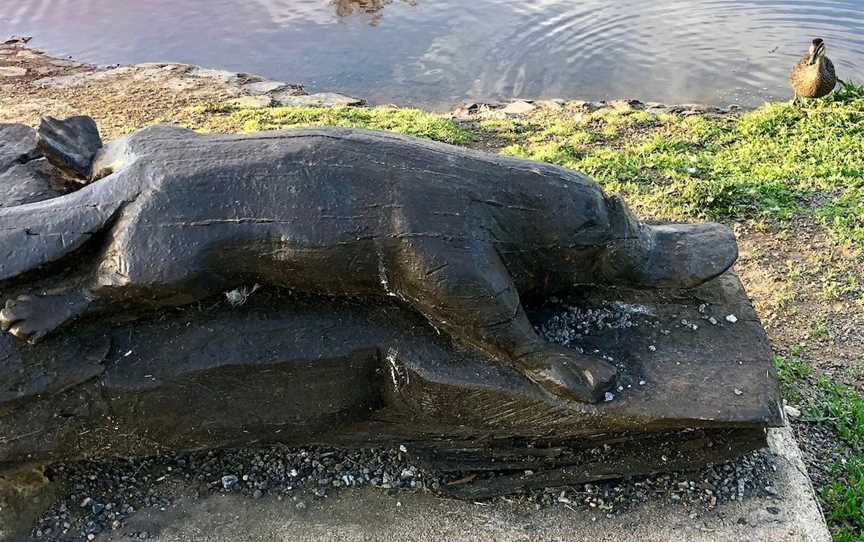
(845, 498)
(227, 119)
(792, 372)
(843, 407)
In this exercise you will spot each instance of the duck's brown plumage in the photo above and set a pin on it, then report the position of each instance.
(813, 80)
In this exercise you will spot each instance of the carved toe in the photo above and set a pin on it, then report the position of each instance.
(31, 318)
(568, 375)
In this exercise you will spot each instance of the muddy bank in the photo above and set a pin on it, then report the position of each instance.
(122, 98)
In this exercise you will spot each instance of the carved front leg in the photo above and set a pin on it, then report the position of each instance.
(466, 291)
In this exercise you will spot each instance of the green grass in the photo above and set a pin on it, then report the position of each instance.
(845, 496)
(844, 214)
(792, 371)
(772, 162)
(841, 408)
(223, 118)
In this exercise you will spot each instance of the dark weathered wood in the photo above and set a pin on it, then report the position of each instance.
(24, 177)
(461, 237)
(366, 369)
(642, 455)
(301, 370)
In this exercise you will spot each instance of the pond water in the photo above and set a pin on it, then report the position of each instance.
(437, 53)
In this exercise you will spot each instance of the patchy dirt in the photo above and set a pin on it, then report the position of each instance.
(124, 98)
(800, 282)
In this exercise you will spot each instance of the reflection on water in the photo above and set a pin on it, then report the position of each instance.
(372, 8)
(438, 53)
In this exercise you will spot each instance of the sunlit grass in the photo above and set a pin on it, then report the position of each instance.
(771, 162)
(228, 119)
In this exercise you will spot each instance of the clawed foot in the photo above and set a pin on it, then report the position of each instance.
(567, 374)
(31, 318)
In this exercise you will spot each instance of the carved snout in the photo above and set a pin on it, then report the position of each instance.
(671, 256)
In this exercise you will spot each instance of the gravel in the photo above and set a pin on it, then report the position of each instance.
(102, 495)
(570, 323)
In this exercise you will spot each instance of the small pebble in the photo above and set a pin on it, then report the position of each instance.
(229, 481)
(792, 412)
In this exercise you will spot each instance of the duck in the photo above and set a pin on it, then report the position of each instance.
(813, 76)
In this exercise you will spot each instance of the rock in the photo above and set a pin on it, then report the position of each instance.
(266, 87)
(67, 81)
(555, 105)
(252, 102)
(182, 83)
(583, 105)
(18, 40)
(626, 105)
(792, 412)
(519, 107)
(17, 145)
(229, 481)
(12, 71)
(61, 63)
(321, 99)
(224, 76)
(25, 494)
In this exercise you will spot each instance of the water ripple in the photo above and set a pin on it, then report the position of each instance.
(437, 53)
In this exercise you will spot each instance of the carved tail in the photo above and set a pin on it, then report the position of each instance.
(38, 233)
